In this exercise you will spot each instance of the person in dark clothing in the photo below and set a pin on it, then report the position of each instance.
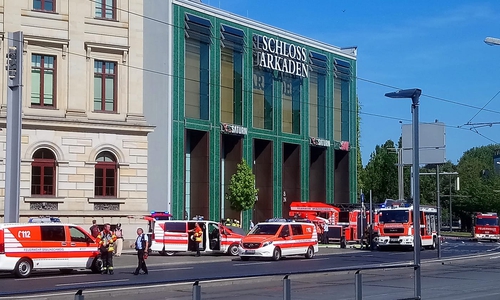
(141, 245)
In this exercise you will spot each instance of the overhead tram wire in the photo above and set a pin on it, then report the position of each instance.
(325, 106)
(353, 76)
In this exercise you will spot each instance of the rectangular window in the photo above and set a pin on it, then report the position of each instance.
(42, 178)
(53, 233)
(105, 86)
(179, 227)
(263, 99)
(197, 80)
(43, 80)
(105, 9)
(341, 96)
(231, 86)
(232, 46)
(317, 95)
(45, 5)
(197, 67)
(291, 104)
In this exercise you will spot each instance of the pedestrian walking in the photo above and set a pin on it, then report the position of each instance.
(141, 245)
(197, 237)
(119, 240)
(106, 241)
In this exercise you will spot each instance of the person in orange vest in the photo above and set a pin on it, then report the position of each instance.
(197, 237)
(106, 241)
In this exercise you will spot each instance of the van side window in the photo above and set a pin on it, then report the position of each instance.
(297, 229)
(77, 235)
(175, 227)
(285, 231)
(53, 233)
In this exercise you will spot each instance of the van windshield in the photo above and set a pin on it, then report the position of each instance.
(265, 229)
(487, 221)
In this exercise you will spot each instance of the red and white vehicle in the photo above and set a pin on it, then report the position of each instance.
(485, 227)
(32, 246)
(171, 236)
(395, 226)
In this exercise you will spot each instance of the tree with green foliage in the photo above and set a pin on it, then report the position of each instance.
(381, 173)
(479, 184)
(242, 192)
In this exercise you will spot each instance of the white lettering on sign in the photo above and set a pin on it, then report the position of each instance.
(234, 129)
(281, 56)
(319, 142)
(25, 234)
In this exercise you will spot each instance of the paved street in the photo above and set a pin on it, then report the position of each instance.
(177, 269)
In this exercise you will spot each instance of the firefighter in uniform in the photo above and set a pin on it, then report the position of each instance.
(106, 241)
(197, 237)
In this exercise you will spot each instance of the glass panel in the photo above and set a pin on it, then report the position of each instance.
(337, 112)
(48, 181)
(48, 88)
(287, 115)
(97, 92)
(110, 93)
(35, 86)
(227, 87)
(99, 181)
(110, 182)
(77, 235)
(109, 9)
(263, 99)
(313, 104)
(98, 66)
(98, 8)
(192, 79)
(37, 4)
(238, 87)
(49, 5)
(322, 106)
(204, 81)
(44, 154)
(36, 180)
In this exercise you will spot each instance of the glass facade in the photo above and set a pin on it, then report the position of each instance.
(280, 104)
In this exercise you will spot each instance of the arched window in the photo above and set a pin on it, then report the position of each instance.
(43, 173)
(105, 175)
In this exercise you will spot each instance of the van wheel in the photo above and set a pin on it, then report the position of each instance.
(244, 258)
(169, 253)
(96, 265)
(233, 250)
(276, 254)
(23, 268)
(66, 271)
(310, 252)
(433, 246)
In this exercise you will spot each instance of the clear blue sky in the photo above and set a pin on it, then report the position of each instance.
(437, 46)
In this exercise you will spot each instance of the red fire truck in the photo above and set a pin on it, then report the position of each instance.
(395, 226)
(485, 227)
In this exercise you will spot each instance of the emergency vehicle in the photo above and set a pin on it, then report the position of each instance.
(395, 226)
(278, 238)
(485, 227)
(36, 246)
(171, 236)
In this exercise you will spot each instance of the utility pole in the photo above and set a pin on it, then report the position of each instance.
(14, 116)
(438, 213)
(400, 174)
(451, 216)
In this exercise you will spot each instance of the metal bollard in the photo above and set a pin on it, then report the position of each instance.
(287, 288)
(359, 286)
(79, 295)
(196, 290)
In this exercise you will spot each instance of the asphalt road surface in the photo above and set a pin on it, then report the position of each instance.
(185, 268)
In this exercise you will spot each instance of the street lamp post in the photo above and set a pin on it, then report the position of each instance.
(414, 95)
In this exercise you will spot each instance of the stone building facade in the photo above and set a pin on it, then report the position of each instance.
(84, 135)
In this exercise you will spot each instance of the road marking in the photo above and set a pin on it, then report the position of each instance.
(494, 257)
(92, 282)
(171, 269)
(254, 263)
(314, 259)
(45, 277)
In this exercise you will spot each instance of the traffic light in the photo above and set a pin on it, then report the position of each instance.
(11, 62)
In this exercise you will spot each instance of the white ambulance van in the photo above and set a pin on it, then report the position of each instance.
(277, 238)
